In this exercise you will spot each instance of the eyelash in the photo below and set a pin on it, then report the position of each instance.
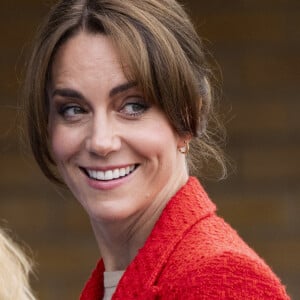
(63, 110)
(137, 108)
(142, 107)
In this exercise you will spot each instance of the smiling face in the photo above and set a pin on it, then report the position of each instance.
(117, 153)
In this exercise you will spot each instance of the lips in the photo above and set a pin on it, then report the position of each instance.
(110, 174)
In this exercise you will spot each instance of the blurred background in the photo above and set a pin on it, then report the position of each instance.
(257, 45)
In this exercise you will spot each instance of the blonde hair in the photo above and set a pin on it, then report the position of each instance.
(166, 58)
(14, 271)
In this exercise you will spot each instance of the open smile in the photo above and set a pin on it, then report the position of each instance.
(112, 174)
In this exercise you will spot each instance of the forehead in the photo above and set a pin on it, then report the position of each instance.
(86, 55)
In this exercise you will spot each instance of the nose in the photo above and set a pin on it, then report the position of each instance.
(103, 138)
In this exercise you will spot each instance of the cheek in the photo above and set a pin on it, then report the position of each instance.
(64, 143)
(157, 141)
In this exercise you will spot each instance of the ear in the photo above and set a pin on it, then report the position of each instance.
(183, 140)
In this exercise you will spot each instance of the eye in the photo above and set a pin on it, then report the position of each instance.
(134, 108)
(70, 111)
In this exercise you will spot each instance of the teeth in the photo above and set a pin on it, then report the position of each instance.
(110, 174)
(122, 172)
(116, 173)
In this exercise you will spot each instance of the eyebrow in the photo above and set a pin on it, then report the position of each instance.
(122, 88)
(70, 93)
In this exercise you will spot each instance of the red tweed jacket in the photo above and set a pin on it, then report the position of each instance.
(192, 254)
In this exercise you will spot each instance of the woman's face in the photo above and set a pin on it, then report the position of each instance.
(117, 153)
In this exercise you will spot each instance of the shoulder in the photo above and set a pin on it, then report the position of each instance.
(227, 275)
(212, 261)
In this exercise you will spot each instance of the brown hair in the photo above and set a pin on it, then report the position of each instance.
(165, 56)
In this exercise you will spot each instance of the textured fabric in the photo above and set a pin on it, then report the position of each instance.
(192, 253)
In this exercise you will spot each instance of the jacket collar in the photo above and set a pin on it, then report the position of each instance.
(187, 207)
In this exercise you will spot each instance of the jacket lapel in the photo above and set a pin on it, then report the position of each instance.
(94, 289)
(189, 205)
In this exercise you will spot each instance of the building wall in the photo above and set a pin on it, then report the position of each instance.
(257, 45)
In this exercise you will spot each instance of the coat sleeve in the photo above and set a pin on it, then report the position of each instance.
(227, 276)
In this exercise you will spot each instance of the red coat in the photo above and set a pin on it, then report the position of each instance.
(192, 253)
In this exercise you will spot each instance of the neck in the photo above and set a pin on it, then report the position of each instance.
(120, 240)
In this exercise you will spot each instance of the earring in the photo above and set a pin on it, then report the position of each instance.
(185, 149)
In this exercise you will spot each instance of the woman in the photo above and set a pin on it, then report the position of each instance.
(117, 92)
(14, 271)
